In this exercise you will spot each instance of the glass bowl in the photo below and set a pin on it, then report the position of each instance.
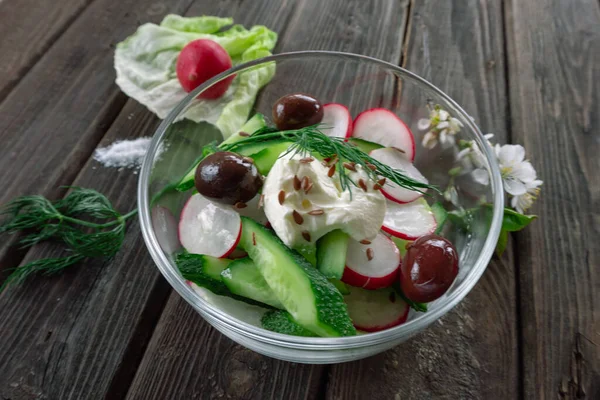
(360, 83)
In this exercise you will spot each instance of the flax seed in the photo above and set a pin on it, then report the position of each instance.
(381, 182)
(350, 165)
(371, 167)
(261, 201)
(297, 183)
(240, 204)
(253, 239)
(376, 186)
(398, 149)
(370, 254)
(307, 160)
(316, 212)
(331, 171)
(365, 241)
(306, 235)
(297, 217)
(248, 160)
(310, 185)
(281, 197)
(244, 134)
(362, 184)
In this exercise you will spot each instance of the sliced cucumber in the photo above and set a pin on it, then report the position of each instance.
(308, 251)
(341, 286)
(331, 254)
(365, 145)
(306, 294)
(265, 159)
(440, 214)
(243, 278)
(206, 271)
(251, 126)
(282, 322)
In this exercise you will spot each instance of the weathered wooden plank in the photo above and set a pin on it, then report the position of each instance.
(554, 64)
(28, 29)
(183, 347)
(89, 343)
(471, 352)
(51, 122)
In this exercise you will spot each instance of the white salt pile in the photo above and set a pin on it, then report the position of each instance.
(123, 153)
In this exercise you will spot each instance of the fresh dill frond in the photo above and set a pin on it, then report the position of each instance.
(84, 221)
(310, 139)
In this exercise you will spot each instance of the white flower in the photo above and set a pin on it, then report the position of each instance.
(441, 128)
(524, 201)
(473, 160)
(516, 172)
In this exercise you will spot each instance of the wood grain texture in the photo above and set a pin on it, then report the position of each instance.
(472, 351)
(53, 120)
(554, 60)
(28, 29)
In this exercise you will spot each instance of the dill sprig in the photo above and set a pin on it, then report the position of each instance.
(84, 221)
(310, 139)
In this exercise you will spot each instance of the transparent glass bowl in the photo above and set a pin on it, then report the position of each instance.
(360, 83)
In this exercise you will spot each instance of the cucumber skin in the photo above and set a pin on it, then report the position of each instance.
(249, 269)
(440, 214)
(283, 322)
(196, 268)
(331, 254)
(331, 311)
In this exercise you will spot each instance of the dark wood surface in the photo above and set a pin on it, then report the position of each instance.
(527, 70)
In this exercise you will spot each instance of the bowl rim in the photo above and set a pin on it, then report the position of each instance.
(317, 343)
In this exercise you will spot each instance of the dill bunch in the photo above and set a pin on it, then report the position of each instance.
(311, 140)
(84, 221)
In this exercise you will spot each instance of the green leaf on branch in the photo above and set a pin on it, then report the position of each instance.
(513, 221)
(502, 241)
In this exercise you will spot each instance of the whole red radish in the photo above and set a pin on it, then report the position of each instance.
(199, 61)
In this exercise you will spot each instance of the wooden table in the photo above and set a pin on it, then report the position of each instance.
(527, 70)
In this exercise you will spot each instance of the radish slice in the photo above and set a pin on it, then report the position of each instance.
(209, 228)
(253, 211)
(397, 160)
(375, 310)
(338, 119)
(409, 221)
(372, 266)
(384, 127)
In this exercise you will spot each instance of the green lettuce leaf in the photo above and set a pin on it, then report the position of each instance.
(145, 66)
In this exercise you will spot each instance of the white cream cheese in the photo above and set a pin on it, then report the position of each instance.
(360, 215)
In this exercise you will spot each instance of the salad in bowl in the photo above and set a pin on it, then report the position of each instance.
(319, 230)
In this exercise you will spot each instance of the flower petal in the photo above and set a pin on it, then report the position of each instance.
(429, 140)
(423, 124)
(513, 186)
(443, 125)
(524, 172)
(481, 176)
(511, 154)
(443, 115)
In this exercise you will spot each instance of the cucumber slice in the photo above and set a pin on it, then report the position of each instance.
(282, 322)
(308, 251)
(365, 145)
(331, 254)
(440, 214)
(306, 294)
(265, 158)
(243, 278)
(251, 126)
(206, 271)
(341, 286)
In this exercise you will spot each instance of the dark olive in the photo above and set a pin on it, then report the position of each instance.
(295, 111)
(429, 267)
(227, 178)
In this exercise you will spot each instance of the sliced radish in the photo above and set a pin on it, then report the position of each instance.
(209, 228)
(338, 119)
(371, 266)
(375, 310)
(409, 221)
(384, 127)
(252, 210)
(397, 160)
